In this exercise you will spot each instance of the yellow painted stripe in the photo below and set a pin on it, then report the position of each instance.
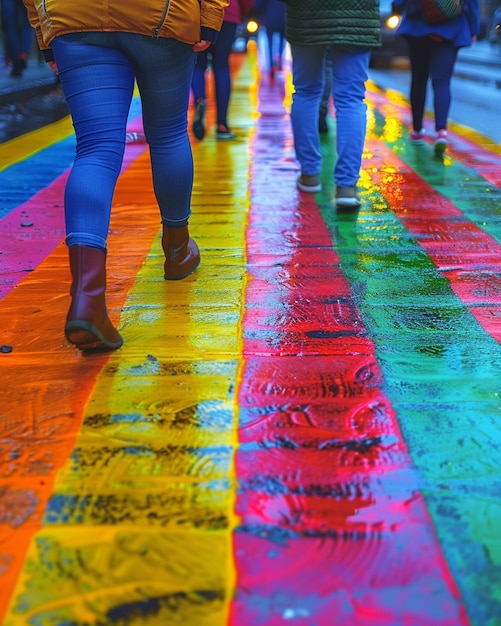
(25, 146)
(141, 516)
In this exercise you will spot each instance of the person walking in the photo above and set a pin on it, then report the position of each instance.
(99, 49)
(219, 56)
(270, 15)
(350, 28)
(433, 50)
(323, 109)
(18, 35)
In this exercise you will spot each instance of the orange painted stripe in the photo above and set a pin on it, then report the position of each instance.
(42, 411)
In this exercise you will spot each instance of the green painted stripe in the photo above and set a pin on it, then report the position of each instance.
(442, 376)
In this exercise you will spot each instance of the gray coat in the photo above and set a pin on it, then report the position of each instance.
(342, 22)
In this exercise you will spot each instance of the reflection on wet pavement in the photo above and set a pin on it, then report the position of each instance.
(305, 430)
(19, 118)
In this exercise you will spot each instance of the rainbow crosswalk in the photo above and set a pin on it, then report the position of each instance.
(304, 431)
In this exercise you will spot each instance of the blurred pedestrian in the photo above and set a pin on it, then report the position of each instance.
(311, 28)
(433, 50)
(218, 57)
(100, 48)
(323, 109)
(18, 34)
(270, 15)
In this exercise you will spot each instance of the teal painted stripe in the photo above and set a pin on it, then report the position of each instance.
(20, 182)
(442, 376)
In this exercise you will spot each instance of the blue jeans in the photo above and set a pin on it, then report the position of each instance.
(97, 72)
(349, 74)
(276, 47)
(219, 53)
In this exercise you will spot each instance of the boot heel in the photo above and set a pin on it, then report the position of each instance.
(86, 337)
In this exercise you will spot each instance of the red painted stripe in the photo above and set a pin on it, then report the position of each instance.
(332, 527)
(466, 255)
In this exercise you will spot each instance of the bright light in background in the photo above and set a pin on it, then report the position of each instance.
(393, 21)
(252, 26)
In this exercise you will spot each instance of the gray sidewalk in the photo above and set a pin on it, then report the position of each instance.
(483, 53)
(481, 62)
(37, 79)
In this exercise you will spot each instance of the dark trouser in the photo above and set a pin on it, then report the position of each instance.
(435, 60)
(18, 33)
(219, 54)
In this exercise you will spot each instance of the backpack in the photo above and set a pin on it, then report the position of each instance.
(438, 11)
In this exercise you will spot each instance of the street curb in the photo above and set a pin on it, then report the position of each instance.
(475, 74)
(28, 90)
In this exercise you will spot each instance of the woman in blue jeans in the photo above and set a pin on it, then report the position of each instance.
(433, 50)
(153, 43)
(312, 28)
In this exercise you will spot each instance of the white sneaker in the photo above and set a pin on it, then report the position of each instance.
(347, 197)
(309, 184)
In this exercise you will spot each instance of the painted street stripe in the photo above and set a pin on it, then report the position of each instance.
(43, 410)
(466, 145)
(323, 469)
(363, 482)
(138, 523)
(461, 250)
(33, 221)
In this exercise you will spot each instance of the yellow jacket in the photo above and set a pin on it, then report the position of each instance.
(185, 20)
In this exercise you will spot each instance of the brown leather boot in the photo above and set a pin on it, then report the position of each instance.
(88, 326)
(182, 255)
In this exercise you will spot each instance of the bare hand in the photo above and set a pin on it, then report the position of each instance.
(201, 45)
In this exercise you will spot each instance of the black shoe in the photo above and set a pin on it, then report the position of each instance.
(198, 125)
(18, 67)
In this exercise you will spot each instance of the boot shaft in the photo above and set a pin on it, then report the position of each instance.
(88, 286)
(87, 323)
(182, 255)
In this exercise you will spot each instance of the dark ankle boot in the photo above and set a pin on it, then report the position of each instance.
(182, 255)
(88, 326)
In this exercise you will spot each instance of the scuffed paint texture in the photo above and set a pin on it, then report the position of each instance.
(321, 461)
(305, 431)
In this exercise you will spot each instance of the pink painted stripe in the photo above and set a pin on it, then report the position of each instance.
(466, 255)
(30, 232)
(332, 527)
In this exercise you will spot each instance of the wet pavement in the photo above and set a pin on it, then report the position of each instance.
(306, 430)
